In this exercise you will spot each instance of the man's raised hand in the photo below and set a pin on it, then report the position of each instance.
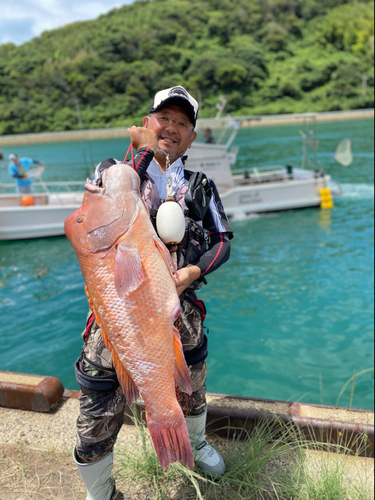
(143, 138)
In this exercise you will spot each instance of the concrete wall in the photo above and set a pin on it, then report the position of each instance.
(274, 120)
(246, 121)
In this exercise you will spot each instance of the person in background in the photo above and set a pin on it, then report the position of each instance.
(208, 136)
(19, 168)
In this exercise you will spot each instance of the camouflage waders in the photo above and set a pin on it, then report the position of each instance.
(102, 413)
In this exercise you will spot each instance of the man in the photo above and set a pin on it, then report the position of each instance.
(19, 168)
(209, 137)
(167, 133)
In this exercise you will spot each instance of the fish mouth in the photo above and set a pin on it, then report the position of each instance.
(100, 187)
(92, 188)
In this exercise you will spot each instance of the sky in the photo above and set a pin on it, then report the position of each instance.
(22, 20)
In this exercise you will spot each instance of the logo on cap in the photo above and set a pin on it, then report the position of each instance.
(178, 92)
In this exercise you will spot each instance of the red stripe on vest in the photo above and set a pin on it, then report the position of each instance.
(217, 255)
(201, 306)
(140, 161)
(88, 327)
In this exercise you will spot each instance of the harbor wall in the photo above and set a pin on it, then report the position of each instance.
(226, 414)
(246, 122)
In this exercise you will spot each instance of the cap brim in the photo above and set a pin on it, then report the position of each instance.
(181, 103)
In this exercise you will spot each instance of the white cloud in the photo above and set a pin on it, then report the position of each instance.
(22, 20)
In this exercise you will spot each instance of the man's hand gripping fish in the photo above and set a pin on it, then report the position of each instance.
(130, 284)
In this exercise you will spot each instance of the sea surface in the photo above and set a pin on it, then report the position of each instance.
(290, 316)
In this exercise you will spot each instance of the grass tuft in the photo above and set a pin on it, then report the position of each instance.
(274, 462)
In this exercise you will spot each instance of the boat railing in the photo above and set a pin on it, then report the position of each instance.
(260, 170)
(260, 175)
(46, 187)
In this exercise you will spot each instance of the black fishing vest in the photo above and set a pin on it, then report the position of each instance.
(196, 239)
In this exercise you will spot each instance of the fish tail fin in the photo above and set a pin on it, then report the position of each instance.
(182, 374)
(128, 386)
(172, 444)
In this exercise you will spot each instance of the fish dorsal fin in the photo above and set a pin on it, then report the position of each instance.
(165, 254)
(182, 375)
(128, 270)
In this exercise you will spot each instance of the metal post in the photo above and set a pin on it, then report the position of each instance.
(365, 79)
(79, 117)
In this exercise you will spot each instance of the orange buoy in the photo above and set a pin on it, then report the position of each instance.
(27, 201)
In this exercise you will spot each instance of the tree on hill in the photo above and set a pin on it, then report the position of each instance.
(265, 56)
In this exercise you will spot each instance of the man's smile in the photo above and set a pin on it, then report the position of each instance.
(168, 139)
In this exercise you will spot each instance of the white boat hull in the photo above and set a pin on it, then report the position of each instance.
(41, 221)
(32, 222)
(268, 189)
(273, 197)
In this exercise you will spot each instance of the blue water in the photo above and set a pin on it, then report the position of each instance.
(290, 316)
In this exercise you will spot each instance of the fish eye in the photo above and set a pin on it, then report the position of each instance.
(80, 219)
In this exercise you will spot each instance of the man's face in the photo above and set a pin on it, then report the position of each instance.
(174, 130)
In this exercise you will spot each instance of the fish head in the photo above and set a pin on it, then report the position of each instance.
(107, 212)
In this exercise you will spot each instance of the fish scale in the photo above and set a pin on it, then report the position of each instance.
(127, 270)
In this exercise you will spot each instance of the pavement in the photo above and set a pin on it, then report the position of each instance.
(35, 450)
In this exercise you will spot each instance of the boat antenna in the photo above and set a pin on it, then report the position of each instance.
(85, 147)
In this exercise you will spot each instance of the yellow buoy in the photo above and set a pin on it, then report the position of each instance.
(326, 199)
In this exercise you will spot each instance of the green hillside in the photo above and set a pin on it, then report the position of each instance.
(265, 56)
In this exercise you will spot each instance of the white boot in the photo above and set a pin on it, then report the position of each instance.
(208, 459)
(97, 477)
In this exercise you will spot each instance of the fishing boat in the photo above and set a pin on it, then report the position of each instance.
(243, 192)
(265, 189)
(52, 203)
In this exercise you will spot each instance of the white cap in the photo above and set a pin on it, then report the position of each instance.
(177, 96)
(12, 157)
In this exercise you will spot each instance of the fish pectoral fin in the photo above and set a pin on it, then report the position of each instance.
(128, 270)
(182, 374)
(165, 254)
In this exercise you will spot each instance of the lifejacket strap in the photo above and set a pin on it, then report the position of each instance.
(198, 354)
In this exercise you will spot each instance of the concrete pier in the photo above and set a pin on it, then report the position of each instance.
(36, 448)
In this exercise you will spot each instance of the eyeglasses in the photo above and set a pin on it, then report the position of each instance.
(165, 120)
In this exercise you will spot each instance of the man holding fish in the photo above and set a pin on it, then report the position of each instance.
(132, 346)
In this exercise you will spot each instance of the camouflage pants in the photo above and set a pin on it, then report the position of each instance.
(102, 413)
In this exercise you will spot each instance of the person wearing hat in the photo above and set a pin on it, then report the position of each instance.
(19, 168)
(167, 134)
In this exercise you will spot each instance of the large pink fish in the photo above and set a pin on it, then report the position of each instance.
(128, 274)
